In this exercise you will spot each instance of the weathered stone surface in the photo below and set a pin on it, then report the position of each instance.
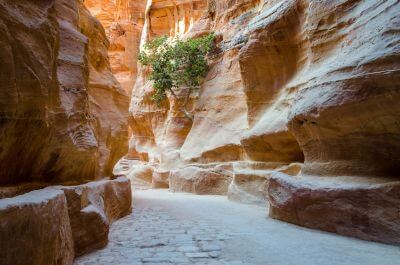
(47, 100)
(345, 115)
(201, 179)
(35, 229)
(123, 23)
(56, 224)
(63, 120)
(227, 124)
(93, 207)
(250, 180)
(289, 82)
(160, 179)
(107, 100)
(367, 208)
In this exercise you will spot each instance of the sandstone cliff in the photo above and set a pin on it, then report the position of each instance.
(62, 111)
(63, 119)
(123, 22)
(296, 88)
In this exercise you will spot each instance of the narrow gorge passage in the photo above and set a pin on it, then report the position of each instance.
(179, 228)
(252, 132)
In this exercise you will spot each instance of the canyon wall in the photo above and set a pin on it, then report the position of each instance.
(299, 110)
(63, 114)
(123, 22)
(63, 120)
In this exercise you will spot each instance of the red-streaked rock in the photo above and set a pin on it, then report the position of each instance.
(93, 207)
(367, 208)
(35, 229)
(62, 117)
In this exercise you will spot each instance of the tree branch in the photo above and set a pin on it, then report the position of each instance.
(183, 107)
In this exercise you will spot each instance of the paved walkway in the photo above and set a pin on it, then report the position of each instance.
(168, 228)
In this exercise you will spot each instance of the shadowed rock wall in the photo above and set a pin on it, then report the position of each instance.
(63, 119)
(56, 224)
(62, 113)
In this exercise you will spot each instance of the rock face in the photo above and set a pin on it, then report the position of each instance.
(251, 180)
(63, 119)
(93, 207)
(363, 207)
(54, 127)
(35, 229)
(202, 180)
(303, 88)
(123, 22)
(56, 224)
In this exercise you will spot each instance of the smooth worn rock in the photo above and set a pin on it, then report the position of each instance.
(123, 22)
(311, 86)
(351, 206)
(56, 224)
(35, 229)
(344, 115)
(52, 120)
(108, 101)
(93, 207)
(195, 179)
(250, 180)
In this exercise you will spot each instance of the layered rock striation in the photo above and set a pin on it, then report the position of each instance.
(123, 22)
(56, 224)
(298, 92)
(63, 120)
(63, 114)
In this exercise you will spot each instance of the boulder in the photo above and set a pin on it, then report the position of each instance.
(92, 208)
(35, 229)
(160, 179)
(250, 180)
(201, 180)
(366, 208)
(56, 224)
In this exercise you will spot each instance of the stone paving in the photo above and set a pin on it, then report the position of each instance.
(176, 228)
(151, 236)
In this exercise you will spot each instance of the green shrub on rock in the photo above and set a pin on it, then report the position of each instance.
(176, 63)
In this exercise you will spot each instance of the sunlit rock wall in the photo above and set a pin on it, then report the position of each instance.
(123, 22)
(230, 109)
(298, 92)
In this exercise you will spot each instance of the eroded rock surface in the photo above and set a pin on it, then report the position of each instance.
(63, 120)
(35, 229)
(313, 84)
(62, 115)
(93, 207)
(250, 180)
(56, 224)
(202, 179)
(123, 22)
(366, 208)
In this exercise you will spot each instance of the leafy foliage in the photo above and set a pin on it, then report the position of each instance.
(178, 63)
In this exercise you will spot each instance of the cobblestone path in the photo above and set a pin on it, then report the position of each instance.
(168, 228)
(150, 235)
